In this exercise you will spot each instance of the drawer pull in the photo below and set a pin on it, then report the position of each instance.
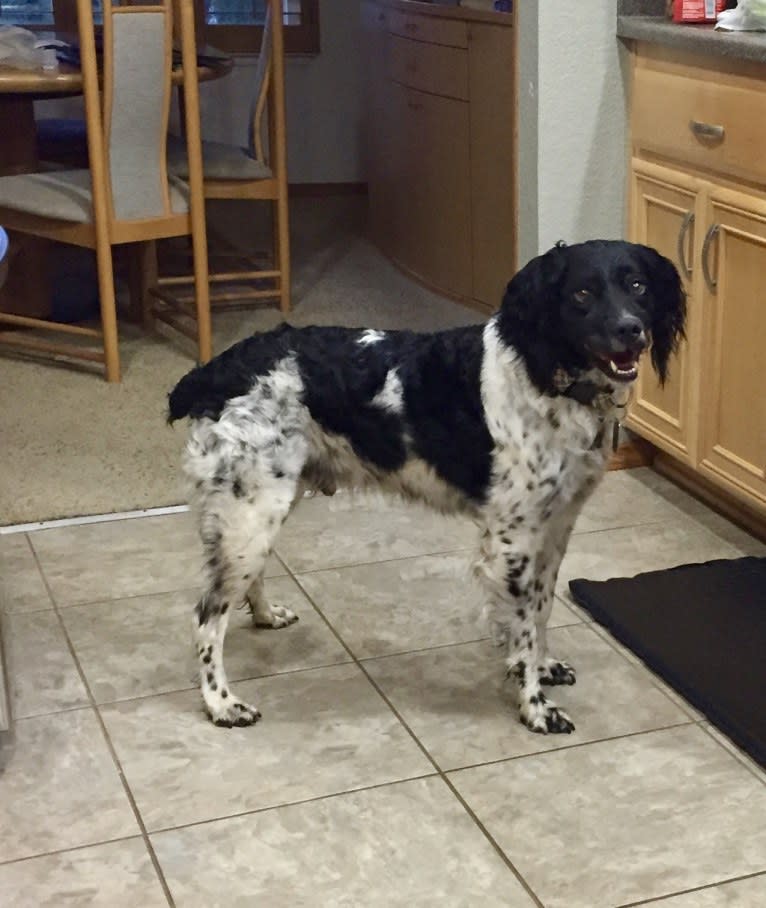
(685, 225)
(706, 130)
(413, 105)
(709, 237)
(410, 26)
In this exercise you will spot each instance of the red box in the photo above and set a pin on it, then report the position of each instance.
(697, 10)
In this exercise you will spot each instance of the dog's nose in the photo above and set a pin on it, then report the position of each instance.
(630, 331)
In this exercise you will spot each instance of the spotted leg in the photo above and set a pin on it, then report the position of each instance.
(264, 613)
(507, 568)
(238, 531)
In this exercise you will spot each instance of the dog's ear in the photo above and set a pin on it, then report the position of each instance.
(529, 290)
(528, 314)
(669, 315)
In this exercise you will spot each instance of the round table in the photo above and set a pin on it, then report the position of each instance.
(27, 291)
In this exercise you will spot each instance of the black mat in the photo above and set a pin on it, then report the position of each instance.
(702, 628)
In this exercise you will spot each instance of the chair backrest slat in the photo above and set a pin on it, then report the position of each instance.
(137, 104)
(267, 69)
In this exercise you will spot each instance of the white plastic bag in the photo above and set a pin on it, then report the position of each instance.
(749, 16)
(23, 49)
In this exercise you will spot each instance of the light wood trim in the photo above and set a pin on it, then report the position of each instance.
(278, 161)
(254, 190)
(219, 278)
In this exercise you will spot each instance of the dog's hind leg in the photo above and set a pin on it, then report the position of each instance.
(238, 531)
(265, 613)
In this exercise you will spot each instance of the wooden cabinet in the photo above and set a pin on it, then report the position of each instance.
(440, 138)
(733, 422)
(698, 195)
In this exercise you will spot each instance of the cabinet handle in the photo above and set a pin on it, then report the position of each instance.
(414, 106)
(706, 130)
(685, 225)
(709, 237)
(410, 26)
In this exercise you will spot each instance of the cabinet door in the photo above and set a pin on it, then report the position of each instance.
(378, 122)
(666, 213)
(733, 261)
(436, 215)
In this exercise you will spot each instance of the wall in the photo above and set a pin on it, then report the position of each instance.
(577, 82)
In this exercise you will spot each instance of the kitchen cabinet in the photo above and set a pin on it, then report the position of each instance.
(698, 195)
(440, 136)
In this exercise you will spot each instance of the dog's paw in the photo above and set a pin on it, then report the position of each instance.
(229, 713)
(273, 616)
(555, 672)
(544, 717)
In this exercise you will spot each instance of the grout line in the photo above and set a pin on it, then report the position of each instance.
(94, 518)
(705, 888)
(47, 854)
(313, 800)
(109, 744)
(341, 567)
(565, 747)
(490, 838)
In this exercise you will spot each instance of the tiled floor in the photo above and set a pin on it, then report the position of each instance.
(389, 767)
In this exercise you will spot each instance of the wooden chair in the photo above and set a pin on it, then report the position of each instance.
(253, 172)
(127, 195)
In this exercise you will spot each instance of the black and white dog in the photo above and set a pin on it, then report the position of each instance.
(510, 422)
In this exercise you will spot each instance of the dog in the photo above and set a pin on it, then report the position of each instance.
(510, 422)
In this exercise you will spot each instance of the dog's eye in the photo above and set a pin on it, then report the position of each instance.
(583, 296)
(638, 287)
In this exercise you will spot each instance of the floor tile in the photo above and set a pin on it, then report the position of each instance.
(143, 645)
(115, 875)
(457, 703)
(621, 500)
(750, 893)
(346, 529)
(756, 768)
(410, 844)
(653, 483)
(323, 731)
(122, 558)
(634, 550)
(21, 584)
(618, 821)
(60, 787)
(402, 605)
(42, 675)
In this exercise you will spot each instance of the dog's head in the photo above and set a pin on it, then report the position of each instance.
(597, 305)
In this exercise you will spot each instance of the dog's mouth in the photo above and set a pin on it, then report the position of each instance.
(619, 366)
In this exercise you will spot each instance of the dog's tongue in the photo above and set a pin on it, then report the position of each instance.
(624, 359)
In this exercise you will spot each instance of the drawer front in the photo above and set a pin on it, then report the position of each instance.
(718, 126)
(449, 32)
(434, 68)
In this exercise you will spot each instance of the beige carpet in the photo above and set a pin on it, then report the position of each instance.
(71, 445)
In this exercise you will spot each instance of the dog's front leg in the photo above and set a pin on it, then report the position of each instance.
(508, 569)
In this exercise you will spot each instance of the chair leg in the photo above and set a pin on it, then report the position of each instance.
(201, 288)
(108, 311)
(282, 249)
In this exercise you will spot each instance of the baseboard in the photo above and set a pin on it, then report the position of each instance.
(632, 454)
(317, 190)
(711, 495)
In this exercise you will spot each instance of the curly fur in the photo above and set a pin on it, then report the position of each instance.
(507, 422)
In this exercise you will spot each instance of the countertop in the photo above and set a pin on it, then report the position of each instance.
(700, 39)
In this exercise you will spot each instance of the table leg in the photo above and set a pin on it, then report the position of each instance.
(27, 290)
